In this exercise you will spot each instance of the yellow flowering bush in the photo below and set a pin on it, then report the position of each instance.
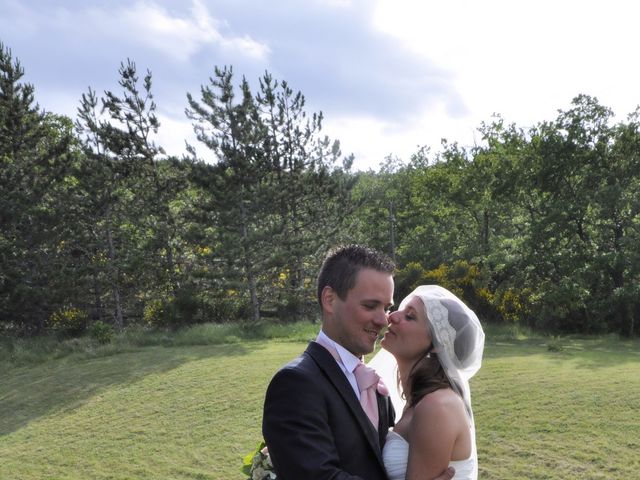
(68, 321)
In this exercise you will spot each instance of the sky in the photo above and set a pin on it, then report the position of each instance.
(390, 76)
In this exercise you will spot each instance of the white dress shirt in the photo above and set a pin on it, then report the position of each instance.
(347, 362)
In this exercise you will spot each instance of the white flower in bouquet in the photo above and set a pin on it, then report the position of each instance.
(258, 466)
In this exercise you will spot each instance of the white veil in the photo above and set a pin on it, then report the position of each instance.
(457, 337)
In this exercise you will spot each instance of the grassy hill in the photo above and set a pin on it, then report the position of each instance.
(545, 408)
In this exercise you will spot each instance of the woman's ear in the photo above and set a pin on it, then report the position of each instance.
(328, 297)
(430, 349)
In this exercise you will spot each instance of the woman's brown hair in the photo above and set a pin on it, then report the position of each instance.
(426, 376)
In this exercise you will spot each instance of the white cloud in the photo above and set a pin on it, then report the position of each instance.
(150, 24)
(209, 30)
(372, 139)
(521, 60)
(181, 37)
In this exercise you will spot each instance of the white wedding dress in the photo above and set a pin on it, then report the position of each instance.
(396, 454)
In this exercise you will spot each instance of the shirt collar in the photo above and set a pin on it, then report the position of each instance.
(348, 359)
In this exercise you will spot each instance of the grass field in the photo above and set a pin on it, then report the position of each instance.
(185, 411)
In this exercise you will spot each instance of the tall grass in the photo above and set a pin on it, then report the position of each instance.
(15, 351)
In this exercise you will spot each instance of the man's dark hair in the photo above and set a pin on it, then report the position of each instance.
(342, 264)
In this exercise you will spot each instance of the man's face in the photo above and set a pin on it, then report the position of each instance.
(356, 322)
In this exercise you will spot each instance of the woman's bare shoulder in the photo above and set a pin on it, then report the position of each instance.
(441, 402)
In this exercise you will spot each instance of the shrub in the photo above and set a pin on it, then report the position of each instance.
(295, 306)
(68, 322)
(101, 332)
(512, 305)
(407, 279)
(174, 311)
(228, 309)
(554, 344)
(462, 278)
(154, 312)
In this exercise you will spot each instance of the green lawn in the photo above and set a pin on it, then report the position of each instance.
(192, 412)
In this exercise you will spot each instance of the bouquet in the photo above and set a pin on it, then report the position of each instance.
(257, 465)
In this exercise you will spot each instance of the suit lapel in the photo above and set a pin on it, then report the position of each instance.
(385, 416)
(336, 376)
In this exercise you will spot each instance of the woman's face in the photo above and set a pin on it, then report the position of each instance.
(408, 334)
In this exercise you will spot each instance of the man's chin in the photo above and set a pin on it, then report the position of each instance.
(371, 346)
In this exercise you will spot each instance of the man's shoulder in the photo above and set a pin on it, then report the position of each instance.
(313, 364)
(307, 360)
(301, 373)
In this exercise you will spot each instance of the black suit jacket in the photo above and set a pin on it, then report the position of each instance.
(315, 427)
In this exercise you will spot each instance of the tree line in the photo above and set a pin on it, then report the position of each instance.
(535, 226)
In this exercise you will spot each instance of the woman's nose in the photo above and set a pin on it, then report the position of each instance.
(394, 317)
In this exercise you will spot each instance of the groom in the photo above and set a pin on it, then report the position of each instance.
(314, 423)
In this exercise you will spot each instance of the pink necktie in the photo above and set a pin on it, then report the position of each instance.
(367, 380)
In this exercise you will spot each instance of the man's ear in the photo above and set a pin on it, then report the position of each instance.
(328, 298)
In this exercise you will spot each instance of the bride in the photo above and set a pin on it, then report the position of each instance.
(433, 346)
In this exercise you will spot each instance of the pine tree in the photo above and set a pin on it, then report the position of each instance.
(233, 130)
(34, 148)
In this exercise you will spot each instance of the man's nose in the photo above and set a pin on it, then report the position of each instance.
(381, 318)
